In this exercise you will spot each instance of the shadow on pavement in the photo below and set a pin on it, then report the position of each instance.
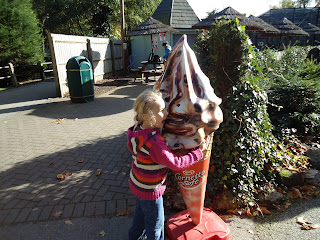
(29, 92)
(117, 101)
(30, 190)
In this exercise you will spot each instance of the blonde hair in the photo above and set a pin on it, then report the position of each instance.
(143, 105)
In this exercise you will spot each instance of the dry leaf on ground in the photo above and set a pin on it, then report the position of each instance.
(81, 160)
(264, 210)
(68, 222)
(124, 213)
(305, 225)
(59, 120)
(102, 233)
(309, 226)
(278, 208)
(58, 214)
(250, 231)
(99, 171)
(62, 176)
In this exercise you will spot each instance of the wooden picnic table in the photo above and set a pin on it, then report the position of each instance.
(156, 70)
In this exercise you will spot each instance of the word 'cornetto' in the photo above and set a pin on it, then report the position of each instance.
(189, 180)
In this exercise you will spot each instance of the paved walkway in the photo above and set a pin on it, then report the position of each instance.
(36, 147)
(90, 143)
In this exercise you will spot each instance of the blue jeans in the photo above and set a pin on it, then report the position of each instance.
(148, 216)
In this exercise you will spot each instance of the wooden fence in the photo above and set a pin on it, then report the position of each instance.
(104, 54)
(11, 75)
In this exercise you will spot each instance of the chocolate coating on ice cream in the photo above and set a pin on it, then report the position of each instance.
(192, 105)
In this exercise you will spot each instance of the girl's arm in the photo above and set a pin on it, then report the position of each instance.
(161, 154)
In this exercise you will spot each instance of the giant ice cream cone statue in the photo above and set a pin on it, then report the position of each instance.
(194, 114)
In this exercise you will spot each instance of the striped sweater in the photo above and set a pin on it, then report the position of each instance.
(151, 160)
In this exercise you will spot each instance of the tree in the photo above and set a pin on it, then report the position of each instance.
(20, 34)
(97, 18)
(302, 3)
(287, 4)
(292, 4)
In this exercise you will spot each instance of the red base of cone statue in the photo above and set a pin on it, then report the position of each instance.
(181, 227)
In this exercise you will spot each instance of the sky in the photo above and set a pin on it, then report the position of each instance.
(249, 7)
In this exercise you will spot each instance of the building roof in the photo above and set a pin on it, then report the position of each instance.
(268, 28)
(151, 26)
(288, 28)
(176, 13)
(229, 14)
(298, 16)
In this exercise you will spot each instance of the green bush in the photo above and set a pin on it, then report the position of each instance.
(292, 85)
(246, 155)
(224, 55)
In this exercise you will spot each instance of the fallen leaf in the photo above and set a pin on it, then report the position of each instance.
(99, 171)
(212, 168)
(278, 208)
(249, 214)
(59, 120)
(287, 205)
(306, 227)
(51, 163)
(68, 222)
(58, 214)
(301, 220)
(81, 160)
(281, 191)
(62, 176)
(102, 233)
(250, 231)
(123, 213)
(225, 217)
(314, 226)
(296, 192)
(264, 210)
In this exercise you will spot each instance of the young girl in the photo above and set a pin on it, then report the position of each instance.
(151, 160)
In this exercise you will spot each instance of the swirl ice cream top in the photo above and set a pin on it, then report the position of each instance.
(192, 105)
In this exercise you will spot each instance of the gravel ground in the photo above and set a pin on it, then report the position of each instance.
(108, 84)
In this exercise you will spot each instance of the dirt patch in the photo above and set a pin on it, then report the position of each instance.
(106, 85)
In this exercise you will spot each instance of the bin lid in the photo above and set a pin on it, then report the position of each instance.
(75, 62)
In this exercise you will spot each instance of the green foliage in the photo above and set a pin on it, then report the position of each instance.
(224, 66)
(20, 34)
(293, 87)
(92, 18)
(245, 153)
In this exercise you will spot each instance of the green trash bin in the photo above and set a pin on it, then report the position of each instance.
(80, 79)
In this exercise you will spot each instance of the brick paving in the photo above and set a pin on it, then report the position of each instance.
(35, 149)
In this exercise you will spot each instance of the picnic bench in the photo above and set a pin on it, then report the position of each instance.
(145, 73)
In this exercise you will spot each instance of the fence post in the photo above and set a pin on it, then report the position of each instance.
(13, 75)
(43, 76)
(113, 58)
(89, 50)
(54, 65)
